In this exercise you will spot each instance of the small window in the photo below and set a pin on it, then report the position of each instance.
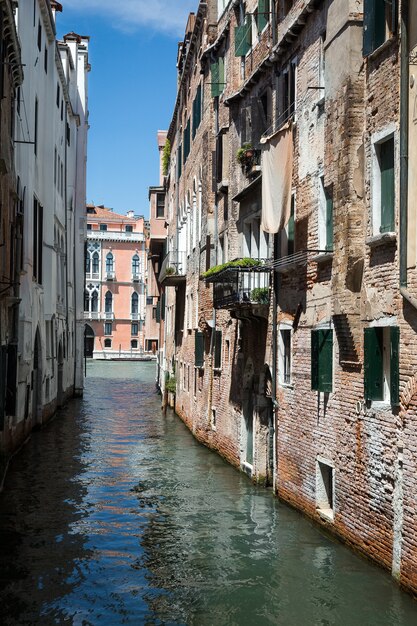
(218, 349)
(325, 489)
(109, 263)
(135, 265)
(325, 218)
(288, 91)
(134, 343)
(135, 329)
(381, 364)
(199, 349)
(96, 263)
(108, 328)
(379, 23)
(107, 343)
(129, 228)
(322, 360)
(160, 205)
(89, 227)
(103, 227)
(134, 303)
(108, 302)
(284, 348)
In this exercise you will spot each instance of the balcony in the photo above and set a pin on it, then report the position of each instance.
(92, 315)
(251, 164)
(108, 235)
(135, 278)
(244, 290)
(110, 275)
(108, 315)
(134, 317)
(173, 269)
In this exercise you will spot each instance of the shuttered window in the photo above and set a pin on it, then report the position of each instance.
(379, 22)
(197, 111)
(199, 349)
(243, 37)
(179, 161)
(329, 221)
(386, 164)
(218, 349)
(322, 360)
(187, 141)
(217, 77)
(263, 14)
(158, 312)
(381, 364)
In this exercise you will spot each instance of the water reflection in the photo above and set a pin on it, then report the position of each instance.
(115, 515)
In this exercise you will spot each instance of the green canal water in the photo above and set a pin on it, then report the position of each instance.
(115, 515)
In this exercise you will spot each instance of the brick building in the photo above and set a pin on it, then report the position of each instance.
(114, 300)
(293, 154)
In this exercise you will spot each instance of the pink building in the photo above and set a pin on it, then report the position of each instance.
(114, 301)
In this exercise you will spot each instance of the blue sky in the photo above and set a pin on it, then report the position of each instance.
(132, 87)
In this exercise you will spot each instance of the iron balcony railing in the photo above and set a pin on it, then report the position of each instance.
(173, 268)
(109, 235)
(235, 286)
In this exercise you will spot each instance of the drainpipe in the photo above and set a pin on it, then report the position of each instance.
(404, 154)
(274, 417)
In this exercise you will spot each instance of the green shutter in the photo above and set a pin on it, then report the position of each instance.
(179, 161)
(329, 221)
(395, 365)
(163, 305)
(214, 70)
(222, 81)
(325, 360)
(374, 24)
(315, 360)
(199, 349)
(186, 141)
(386, 160)
(243, 37)
(196, 111)
(158, 312)
(373, 364)
(218, 349)
(263, 14)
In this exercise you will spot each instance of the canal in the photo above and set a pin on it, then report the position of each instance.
(115, 515)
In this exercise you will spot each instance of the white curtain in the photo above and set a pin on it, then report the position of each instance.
(277, 164)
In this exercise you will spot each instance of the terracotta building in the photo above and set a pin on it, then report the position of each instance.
(114, 301)
(292, 155)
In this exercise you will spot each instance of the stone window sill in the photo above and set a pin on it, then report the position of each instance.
(381, 239)
(326, 514)
(381, 405)
(323, 257)
(375, 53)
(289, 386)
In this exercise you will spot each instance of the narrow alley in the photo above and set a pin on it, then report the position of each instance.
(114, 514)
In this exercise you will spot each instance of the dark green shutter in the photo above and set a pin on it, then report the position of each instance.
(329, 221)
(221, 75)
(218, 349)
(325, 360)
(374, 24)
(163, 305)
(373, 364)
(395, 365)
(263, 14)
(315, 360)
(214, 71)
(386, 159)
(158, 312)
(179, 161)
(199, 349)
(196, 111)
(243, 37)
(394, 15)
(187, 141)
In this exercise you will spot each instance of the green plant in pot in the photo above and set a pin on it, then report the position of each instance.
(260, 294)
(244, 154)
(170, 270)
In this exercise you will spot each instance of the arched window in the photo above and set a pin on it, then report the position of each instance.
(135, 303)
(135, 265)
(96, 263)
(94, 301)
(107, 343)
(109, 263)
(86, 301)
(88, 264)
(108, 302)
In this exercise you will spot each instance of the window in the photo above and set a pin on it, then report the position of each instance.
(103, 227)
(135, 265)
(107, 343)
(134, 343)
(45, 60)
(94, 302)
(109, 263)
(89, 227)
(108, 302)
(58, 94)
(197, 109)
(288, 91)
(383, 187)
(381, 364)
(96, 263)
(108, 328)
(129, 228)
(135, 329)
(324, 488)
(322, 360)
(86, 301)
(218, 349)
(160, 205)
(284, 353)
(288, 233)
(88, 264)
(217, 77)
(39, 36)
(135, 303)
(325, 218)
(379, 23)
(199, 349)
(179, 161)
(187, 142)
(37, 266)
(262, 17)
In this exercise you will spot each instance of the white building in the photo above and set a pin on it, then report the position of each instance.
(51, 142)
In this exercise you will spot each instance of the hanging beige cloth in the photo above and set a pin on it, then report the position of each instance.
(277, 164)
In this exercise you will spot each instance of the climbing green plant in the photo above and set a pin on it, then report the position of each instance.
(166, 157)
(245, 262)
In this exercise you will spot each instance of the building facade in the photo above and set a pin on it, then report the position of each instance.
(290, 306)
(115, 274)
(50, 137)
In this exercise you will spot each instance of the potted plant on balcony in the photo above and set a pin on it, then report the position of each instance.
(170, 271)
(260, 295)
(244, 154)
